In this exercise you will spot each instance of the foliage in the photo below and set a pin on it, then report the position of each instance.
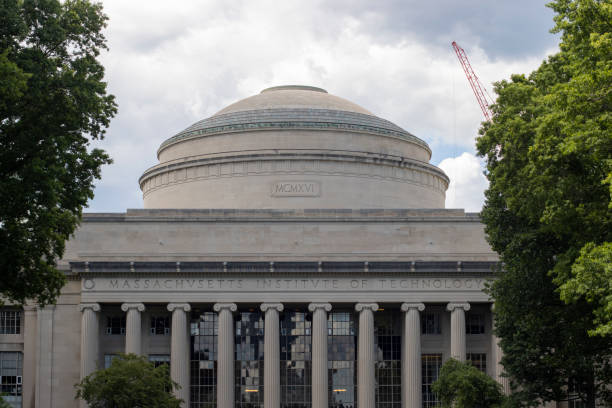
(461, 385)
(53, 102)
(549, 162)
(131, 381)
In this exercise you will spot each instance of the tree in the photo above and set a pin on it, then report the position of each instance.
(461, 385)
(130, 381)
(53, 102)
(548, 152)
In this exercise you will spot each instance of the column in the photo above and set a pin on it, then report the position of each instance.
(411, 355)
(225, 355)
(271, 354)
(179, 350)
(319, 353)
(133, 327)
(458, 329)
(366, 381)
(29, 356)
(497, 356)
(90, 333)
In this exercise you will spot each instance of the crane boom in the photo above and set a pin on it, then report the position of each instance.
(477, 87)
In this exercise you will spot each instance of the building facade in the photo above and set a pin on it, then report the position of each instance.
(293, 251)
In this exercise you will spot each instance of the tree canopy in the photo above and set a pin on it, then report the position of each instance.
(53, 102)
(130, 382)
(548, 212)
(461, 385)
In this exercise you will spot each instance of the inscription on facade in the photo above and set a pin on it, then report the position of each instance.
(296, 189)
(282, 285)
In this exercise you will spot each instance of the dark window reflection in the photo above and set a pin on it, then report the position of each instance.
(295, 359)
(388, 364)
(341, 356)
(430, 369)
(204, 328)
(249, 372)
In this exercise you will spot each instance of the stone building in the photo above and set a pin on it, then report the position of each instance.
(293, 251)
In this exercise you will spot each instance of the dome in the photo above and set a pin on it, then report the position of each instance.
(294, 147)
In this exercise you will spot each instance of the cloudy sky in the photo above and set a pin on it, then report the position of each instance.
(173, 63)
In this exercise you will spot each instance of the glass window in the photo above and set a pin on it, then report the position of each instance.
(388, 364)
(430, 368)
(108, 359)
(474, 323)
(10, 322)
(115, 325)
(341, 356)
(160, 325)
(430, 323)
(296, 357)
(249, 348)
(478, 360)
(11, 372)
(204, 328)
(159, 359)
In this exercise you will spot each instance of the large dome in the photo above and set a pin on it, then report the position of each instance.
(294, 147)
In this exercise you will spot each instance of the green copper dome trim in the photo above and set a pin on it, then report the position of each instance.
(284, 119)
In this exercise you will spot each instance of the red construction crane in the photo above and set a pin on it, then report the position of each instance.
(477, 87)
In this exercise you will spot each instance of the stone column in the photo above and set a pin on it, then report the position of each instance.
(497, 356)
(90, 332)
(179, 350)
(366, 379)
(411, 355)
(271, 354)
(225, 355)
(133, 327)
(29, 355)
(458, 329)
(319, 353)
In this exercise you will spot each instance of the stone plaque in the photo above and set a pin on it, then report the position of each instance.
(296, 188)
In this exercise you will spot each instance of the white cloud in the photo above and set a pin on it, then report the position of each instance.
(171, 65)
(467, 182)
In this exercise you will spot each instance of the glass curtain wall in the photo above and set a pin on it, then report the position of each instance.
(341, 359)
(388, 364)
(249, 371)
(296, 359)
(204, 330)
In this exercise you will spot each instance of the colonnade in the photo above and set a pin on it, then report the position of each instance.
(179, 353)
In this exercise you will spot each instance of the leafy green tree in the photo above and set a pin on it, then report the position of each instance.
(461, 385)
(53, 102)
(549, 162)
(130, 381)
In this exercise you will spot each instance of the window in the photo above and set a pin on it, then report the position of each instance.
(388, 360)
(109, 358)
(115, 325)
(296, 358)
(249, 359)
(11, 371)
(204, 329)
(430, 366)
(478, 360)
(10, 322)
(159, 359)
(430, 323)
(160, 325)
(341, 356)
(474, 323)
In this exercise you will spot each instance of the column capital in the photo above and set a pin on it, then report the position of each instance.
(452, 306)
(93, 306)
(185, 306)
(407, 306)
(138, 306)
(325, 306)
(220, 306)
(364, 306)
(278, 306)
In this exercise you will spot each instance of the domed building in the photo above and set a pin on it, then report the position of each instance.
(293, 251)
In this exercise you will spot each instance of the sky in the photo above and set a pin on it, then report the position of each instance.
(171, 64)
